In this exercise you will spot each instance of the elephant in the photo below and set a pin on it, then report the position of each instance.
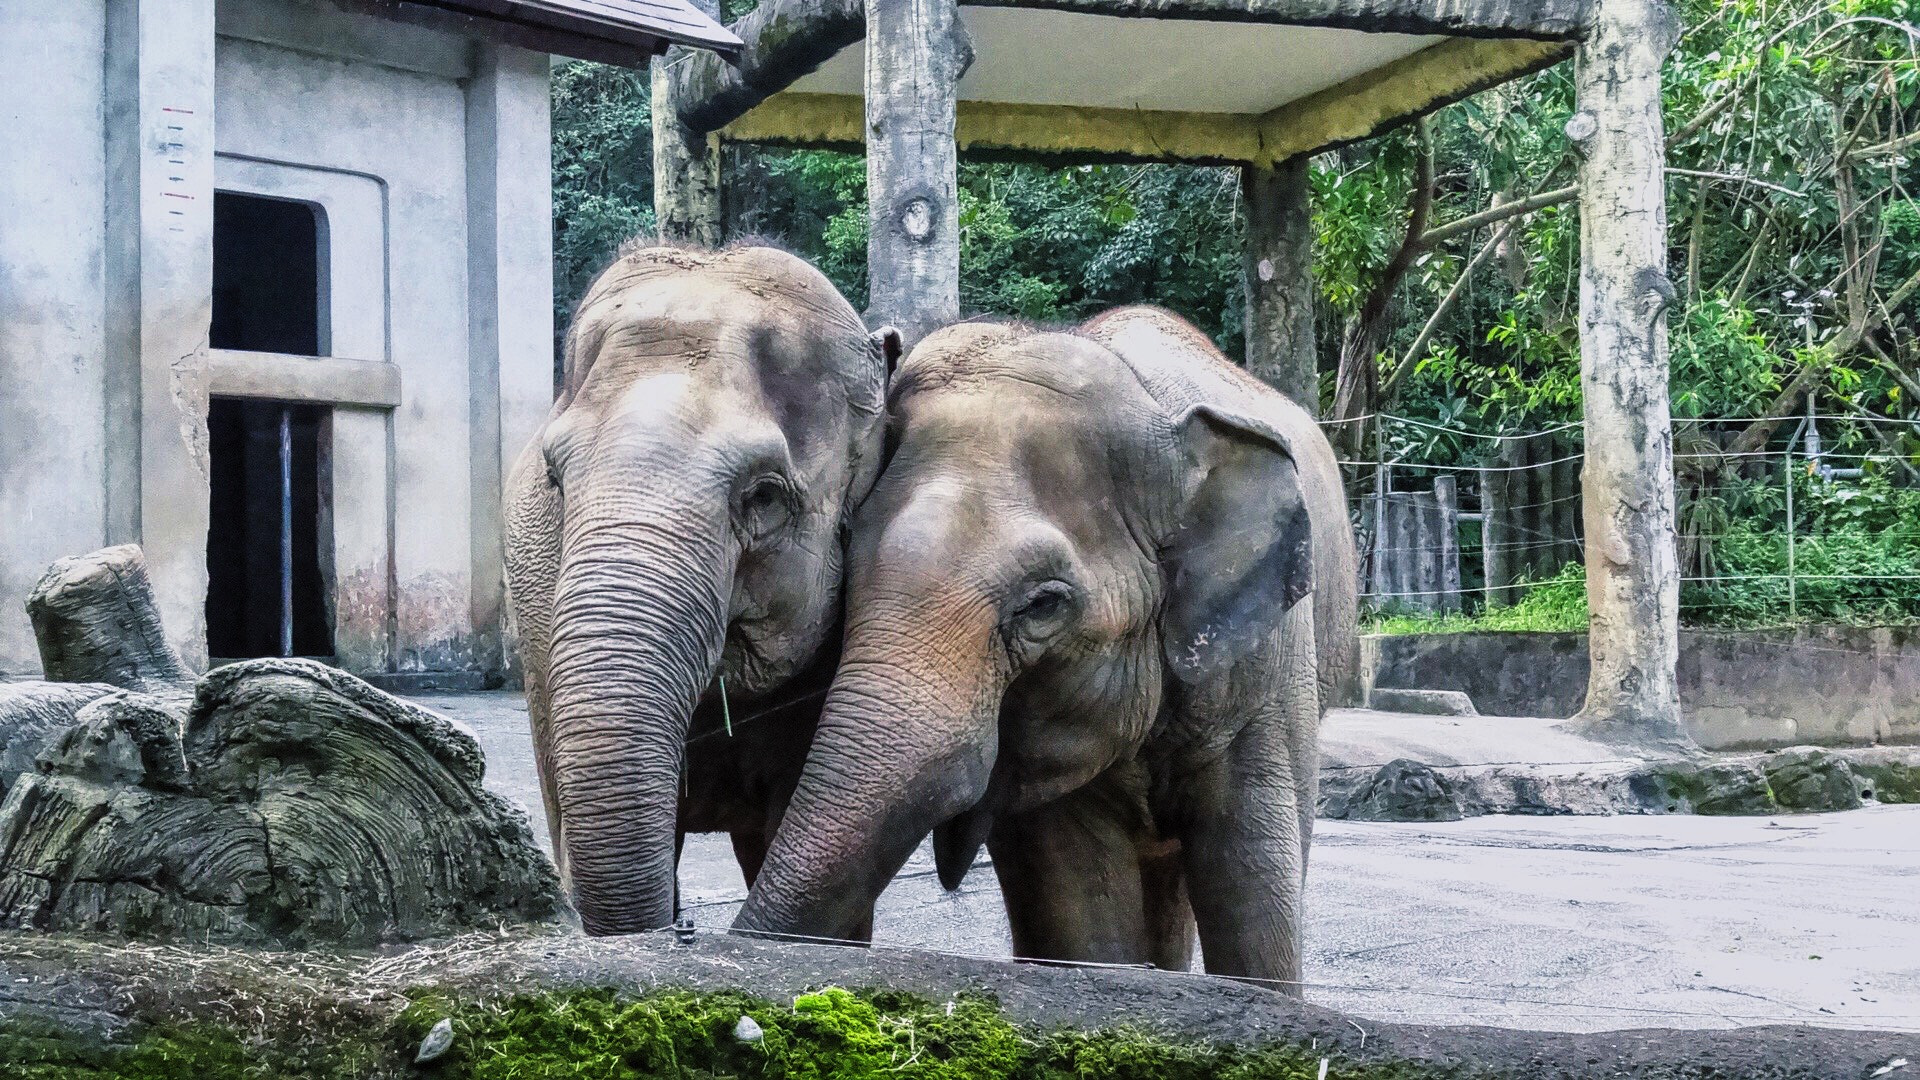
(1097, 604)
(675, 558)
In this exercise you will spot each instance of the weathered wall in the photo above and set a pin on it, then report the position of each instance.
(52, 403)
(455, 134)
(428, 153)
(1831, 686)
(407, 128)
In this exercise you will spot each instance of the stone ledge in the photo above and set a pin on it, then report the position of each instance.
(1796, 780)
(1422, 702)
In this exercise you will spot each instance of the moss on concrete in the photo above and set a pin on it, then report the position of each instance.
(832, 1034)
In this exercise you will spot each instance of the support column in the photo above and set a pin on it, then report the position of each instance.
(916, 52)
(509, 307)
(1627, 482)
(687, 207)
(1278, 263)
(159, 297)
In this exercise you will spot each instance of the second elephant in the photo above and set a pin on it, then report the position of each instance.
(1098, 602)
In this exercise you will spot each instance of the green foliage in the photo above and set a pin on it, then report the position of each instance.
(1856, 554)
(1555, 605)
(602, 171)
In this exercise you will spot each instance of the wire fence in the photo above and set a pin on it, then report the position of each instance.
(1820, 520)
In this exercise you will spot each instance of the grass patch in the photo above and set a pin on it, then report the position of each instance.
(1556, 605)
(832, 1034)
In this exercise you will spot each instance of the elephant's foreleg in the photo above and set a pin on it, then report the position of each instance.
(1168, 913)
(1245, 837)
(1071, 875)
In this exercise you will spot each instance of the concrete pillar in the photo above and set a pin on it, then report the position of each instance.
(1278, 263)
(687, 205)
(159, 296)
(510, 305)
(916, 52)
(1633, 579)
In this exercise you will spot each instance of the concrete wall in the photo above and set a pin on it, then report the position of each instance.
(428, 154)
(52, 319)
(1832, 686)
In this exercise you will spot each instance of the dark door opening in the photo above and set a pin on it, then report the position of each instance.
(266, 275)
(269, 534)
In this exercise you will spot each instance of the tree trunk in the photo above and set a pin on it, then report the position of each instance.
(1278, 264)
(1632, 579)
(272, 801)
(916, 52)
(96, 621)
(687, 206)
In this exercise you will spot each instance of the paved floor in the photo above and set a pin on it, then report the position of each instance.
(1575, 924)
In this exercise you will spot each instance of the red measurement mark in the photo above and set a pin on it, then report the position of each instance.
(171, 109)
(176, 195)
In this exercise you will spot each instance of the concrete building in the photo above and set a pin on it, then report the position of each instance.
(276, 303)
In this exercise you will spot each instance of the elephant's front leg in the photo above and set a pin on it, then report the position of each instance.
(1246, 832)
(1085, 878)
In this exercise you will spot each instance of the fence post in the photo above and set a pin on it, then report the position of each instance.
(1793, 597)
(1447, 506)
(1381, 478)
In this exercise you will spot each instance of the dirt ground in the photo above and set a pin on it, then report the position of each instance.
(1568, 924)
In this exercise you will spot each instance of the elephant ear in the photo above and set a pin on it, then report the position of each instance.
(1241, 554)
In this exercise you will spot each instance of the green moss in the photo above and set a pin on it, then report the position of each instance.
(195, 1051)
(831, 1034)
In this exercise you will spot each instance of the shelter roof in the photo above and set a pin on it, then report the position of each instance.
(626, 32)
(1142, 80)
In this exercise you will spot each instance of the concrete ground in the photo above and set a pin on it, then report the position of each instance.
(1566, 923)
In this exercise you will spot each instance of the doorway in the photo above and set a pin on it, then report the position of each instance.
(270, 530)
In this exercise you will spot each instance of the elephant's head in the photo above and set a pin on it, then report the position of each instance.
(721, 413)
(1050, 555)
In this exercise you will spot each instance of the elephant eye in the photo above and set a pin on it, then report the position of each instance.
(765, 507)
(1045, 610)
(553, 476)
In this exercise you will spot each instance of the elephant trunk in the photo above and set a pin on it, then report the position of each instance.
(639, 624)
(906, 741)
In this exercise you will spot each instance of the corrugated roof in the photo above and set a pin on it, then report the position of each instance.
(639, 24)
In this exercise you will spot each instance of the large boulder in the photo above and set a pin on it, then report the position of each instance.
(1809, 778)
(1400, 790)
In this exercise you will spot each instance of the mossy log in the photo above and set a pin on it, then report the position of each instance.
(280, 801)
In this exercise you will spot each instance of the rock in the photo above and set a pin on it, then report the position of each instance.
(1809, 778)
(1421, 702)
(1403, 790)
(748, 1031)
(1890, 774)
(438, 1041)
(1726, 788)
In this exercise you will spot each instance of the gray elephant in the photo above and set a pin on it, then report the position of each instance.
(675, 557)
(1076, 631)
